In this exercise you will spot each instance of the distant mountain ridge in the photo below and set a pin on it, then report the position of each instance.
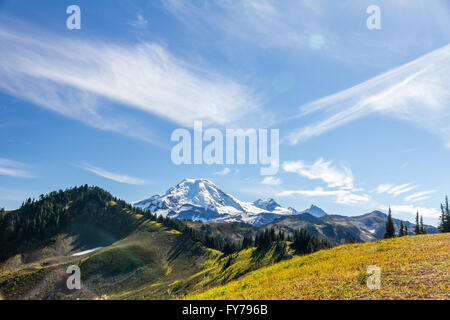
(202, 200)
(341, 229)
(315, 211)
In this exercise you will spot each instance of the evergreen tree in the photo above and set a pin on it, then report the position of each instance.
(406, 230)
(423, 230)
(444, 225)
(304, 242)
(401, 232)
(280, 250)
(247, 242)
(417, 226)
(390, 227)
(229, 248)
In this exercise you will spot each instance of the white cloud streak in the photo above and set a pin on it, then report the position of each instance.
(420, 196)
(75, 78)
(271, 181)
(340, 182)
(412, 210)
(340, 196)
(395, 190)
(13, 168)
(224, 172)
(122, 178)
(416, 92)
(322, 170)
(255, 21)
(294, 25)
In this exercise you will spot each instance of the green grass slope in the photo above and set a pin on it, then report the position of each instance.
(413, 267)
(152, 263)
(141, 258)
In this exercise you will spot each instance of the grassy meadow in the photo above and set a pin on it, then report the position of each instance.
(413, 267)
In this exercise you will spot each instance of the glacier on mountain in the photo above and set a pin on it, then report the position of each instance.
(202, 200)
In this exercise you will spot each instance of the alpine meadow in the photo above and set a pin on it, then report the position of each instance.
(224, 158)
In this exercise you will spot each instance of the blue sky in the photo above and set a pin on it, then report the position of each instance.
(363, 114)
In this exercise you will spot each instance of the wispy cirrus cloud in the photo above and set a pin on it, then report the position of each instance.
(341, 196)
(13, 168)
(420, 196)
(80, 78)
(395, 190)
(272, 181)
(224, 172)
(122, 178)
(300, 26)
(412, 210)
(416, 92)
(322, 170)
(260, 19)
(340, 182)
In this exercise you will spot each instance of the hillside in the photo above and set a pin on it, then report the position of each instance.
(88, 215)
(413, 267)
(334, 233)
(151, 263)
(342, 229)
(123, 252)
(232, 230)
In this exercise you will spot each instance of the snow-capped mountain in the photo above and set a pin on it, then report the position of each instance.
(201, 199)
(315, 211)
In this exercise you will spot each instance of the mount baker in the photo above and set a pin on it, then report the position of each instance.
(202, 200)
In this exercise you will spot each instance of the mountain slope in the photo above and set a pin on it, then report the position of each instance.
(90, 214)
(202, 200)
(371, 225)
(413, 267)
(122, 252)
(315, 211)
(333, 233)
(151, 263)
(342, 229)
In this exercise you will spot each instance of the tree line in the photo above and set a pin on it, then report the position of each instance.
(38, 220)
(302, 241)
(390, 231)
(41, 219)
(419, 227)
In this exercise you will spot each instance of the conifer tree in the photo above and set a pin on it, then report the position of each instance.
(390, 227)
(401, 232)
(444, 225)
(417, 226)
(423, 230)
(247, 242)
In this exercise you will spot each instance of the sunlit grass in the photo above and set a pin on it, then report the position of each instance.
(414, 267)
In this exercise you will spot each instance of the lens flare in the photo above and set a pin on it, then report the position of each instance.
(316, 42)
